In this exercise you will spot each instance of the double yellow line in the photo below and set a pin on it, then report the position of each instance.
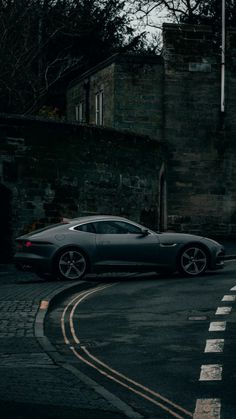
(85, 356)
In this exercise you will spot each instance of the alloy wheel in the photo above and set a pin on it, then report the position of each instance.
(193, 261)
(72, 264)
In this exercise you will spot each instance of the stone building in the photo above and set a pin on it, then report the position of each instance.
(175, 99)
(122, 92)
(145, 138)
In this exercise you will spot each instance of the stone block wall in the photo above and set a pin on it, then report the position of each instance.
(201, 167)
(56, 170)
(138, 88)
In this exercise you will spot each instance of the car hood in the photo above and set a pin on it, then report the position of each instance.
(182, 238)
(171, 238)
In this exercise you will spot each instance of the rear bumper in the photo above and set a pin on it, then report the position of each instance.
(32, 263)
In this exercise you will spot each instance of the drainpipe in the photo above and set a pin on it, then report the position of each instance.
(222, 105)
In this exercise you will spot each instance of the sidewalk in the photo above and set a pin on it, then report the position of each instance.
(32, 385)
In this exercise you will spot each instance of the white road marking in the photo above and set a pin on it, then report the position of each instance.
(214, 345)
(229, 298)
(207, 409)
(211, 408)
(217, 326)
(212, 372)
(223, 310)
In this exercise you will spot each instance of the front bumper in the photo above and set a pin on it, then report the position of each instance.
(220, 259)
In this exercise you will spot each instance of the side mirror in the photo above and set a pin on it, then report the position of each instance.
(145, 232)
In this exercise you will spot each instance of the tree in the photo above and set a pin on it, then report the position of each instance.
(183, 11)
(44, 43)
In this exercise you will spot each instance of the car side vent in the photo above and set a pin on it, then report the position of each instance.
(168, 244)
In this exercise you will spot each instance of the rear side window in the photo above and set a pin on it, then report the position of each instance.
(87, 228)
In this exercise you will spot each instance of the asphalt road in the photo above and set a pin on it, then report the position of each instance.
(163, 345)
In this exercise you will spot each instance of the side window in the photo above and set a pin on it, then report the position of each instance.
(115, 227)
(87, 228)
(106, 227)
(129, 228)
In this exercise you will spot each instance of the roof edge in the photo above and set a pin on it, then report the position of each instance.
(118, 57)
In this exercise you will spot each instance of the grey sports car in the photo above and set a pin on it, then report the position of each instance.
(71, 249)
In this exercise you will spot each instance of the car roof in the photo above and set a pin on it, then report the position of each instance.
(94, 218)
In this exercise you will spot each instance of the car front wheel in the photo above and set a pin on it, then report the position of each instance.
(193, 261)
(71, 264)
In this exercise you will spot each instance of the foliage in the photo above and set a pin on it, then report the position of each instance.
(44, 43)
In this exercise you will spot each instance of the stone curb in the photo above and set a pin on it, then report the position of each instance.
(52, 352)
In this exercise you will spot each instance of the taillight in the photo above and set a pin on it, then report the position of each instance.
(21, 244)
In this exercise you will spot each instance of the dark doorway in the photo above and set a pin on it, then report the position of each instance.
(5, 225)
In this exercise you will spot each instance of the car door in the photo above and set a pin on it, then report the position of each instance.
(122, 243)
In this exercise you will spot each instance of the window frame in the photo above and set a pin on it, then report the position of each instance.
(99, 107)
(79, 111)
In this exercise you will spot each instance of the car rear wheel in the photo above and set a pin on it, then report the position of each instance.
(193, 260)
(71, 264)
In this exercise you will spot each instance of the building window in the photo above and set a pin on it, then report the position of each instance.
(79, 112)
(99, 108)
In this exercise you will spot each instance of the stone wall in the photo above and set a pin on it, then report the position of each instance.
(201, 170)
(138, 95)
(55, 170)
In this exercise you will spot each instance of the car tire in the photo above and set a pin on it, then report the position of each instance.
(193, 260)
(71, 264)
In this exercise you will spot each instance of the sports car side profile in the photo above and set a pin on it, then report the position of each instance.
(70, 250)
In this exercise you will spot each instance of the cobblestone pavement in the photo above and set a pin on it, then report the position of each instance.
(32, 386)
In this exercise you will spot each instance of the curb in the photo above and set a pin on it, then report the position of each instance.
(229, 257)
(47, 346)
